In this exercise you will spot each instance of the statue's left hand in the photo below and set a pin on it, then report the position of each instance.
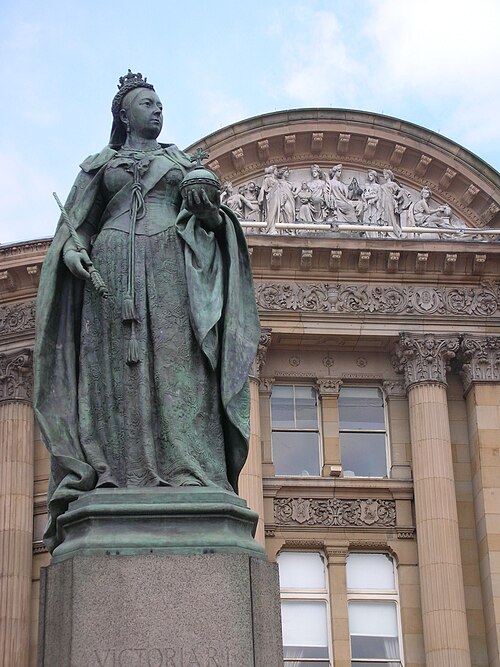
(198, 203)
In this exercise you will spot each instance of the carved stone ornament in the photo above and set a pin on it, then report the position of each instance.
(285, 200)
(367, 512)
(260, 357)
(328, 386)
(266, 385)
(424, 358)
(16, 318)
(16, 376)
(361, 298)
(481, 359)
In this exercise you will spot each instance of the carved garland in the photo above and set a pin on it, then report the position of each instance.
(368, 512)
(482, 301)
(17, 318)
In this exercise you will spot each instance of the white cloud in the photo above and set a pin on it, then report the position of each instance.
(319, 63)
(439, 57)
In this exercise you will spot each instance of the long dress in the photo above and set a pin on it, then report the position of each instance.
(179, 415)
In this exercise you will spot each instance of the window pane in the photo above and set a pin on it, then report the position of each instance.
(361, 416)
(306, 411)
(304, 629)
(370, 572)
(371, 395)
(301, 571)
(361, 408)
(282, 407)
(363, 454)
(296, 453)
(373, 629)
(384, 663)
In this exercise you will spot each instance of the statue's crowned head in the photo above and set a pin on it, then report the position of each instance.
(126, 84)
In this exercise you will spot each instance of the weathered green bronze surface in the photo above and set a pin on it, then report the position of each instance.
(157, 521)
(147, 387)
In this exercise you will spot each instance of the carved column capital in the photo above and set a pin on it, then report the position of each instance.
(260, 357)
(336, 552)
(424, 359)
(16, 376)
(481, 359)
(328, 386)
(394, 388)
(266, 386)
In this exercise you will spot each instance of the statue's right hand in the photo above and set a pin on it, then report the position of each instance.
(77, 262)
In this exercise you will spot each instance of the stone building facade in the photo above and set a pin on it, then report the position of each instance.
(375, 394)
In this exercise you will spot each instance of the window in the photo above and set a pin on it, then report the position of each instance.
(304, 609)
(295, 437)
(363, 441)
(374, 625)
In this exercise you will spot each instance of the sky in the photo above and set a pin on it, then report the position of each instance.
(215, 62)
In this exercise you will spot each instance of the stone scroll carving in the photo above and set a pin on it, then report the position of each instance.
(260, 357)
(17, 318)
(369, 512)
(424, 358)
(482, 301)
(481, 359)
(315, 194)
(16, 376)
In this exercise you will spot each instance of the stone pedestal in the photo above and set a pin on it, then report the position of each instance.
(217, 610)
(159, 578)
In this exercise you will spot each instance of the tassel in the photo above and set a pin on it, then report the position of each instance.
(133, 348)
(128, 310)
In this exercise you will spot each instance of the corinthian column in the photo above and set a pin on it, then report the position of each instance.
(481, 379)
(424, 361)
(16, 506)
(250, 484)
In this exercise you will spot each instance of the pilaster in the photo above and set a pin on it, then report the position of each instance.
(16, 505)
(250, 483)
(424, 361)
(481, 379)
(336, 553)
(328, 390)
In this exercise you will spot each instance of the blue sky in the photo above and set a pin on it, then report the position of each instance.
(213, 63)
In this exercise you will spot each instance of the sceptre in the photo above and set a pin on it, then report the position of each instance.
(95, 276)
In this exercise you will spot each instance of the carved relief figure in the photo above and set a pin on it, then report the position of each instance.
(251, 212)
(420, 214)
(237, 202)
(319, 189)
(371, 199)
(148, 387)
(269, 200)
(345, 210)
(304, 196)
(391, 201)
(287, 199)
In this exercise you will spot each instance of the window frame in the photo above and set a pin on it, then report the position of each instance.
(388, 461)
(381, 595)
(311, 595)
(317, 430)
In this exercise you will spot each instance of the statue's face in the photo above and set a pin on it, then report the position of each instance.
(144, 112)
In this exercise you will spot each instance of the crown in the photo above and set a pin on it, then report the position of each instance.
(128, 82)
(131, 78)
